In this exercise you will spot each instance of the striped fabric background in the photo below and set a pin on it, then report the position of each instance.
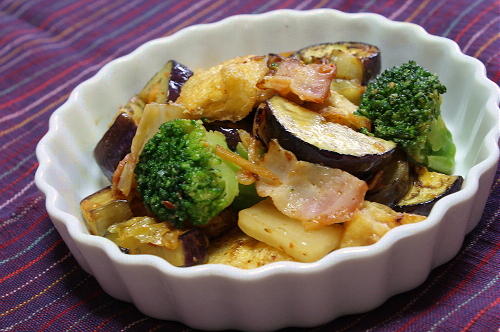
(47, 47)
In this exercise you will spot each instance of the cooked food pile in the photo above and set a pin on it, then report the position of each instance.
(265, 158)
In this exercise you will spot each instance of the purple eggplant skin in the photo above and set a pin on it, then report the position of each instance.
(195, 247)
(267, 127)
(230, 129)
(425, 208)
(115, 144)
(124, 250)
(231, 134)
(166, 84)
(394, 182)
(179, 74)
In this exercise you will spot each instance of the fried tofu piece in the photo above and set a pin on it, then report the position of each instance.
(371, 222)
(227, 91)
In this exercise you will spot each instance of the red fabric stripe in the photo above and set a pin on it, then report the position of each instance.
(117, 40)
(22, 149)
(347, 4)
(15, 33)
(496, 78)
(21, 177)
(60, 12)
(388, 4)
(480, 313)
(78, 64)
(119, 21)
(78, 43)
(10, 275)
(477, 18)
(458, 287)
(88, 298)
(283, 4)
(33, 225)
(446, 10)
(57, 38)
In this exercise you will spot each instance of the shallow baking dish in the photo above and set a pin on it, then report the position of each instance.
(346, 281)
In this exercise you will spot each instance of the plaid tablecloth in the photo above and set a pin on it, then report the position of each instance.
(47, 47)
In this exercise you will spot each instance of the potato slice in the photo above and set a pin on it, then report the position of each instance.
(351, 89)
(371, 222)
(354, 60)
(265, 223)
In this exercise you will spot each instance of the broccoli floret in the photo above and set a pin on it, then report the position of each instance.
(179, 176)
(404, 106)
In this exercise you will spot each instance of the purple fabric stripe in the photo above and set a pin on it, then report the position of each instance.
(93, 46)
(15, 41)
(465, 11)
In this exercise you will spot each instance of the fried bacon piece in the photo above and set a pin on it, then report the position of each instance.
(315, 194)
(307, 82)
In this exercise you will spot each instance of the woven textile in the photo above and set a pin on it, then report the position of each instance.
(47, 47)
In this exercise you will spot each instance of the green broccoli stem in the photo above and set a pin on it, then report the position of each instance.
(438, 151)
(247, 193)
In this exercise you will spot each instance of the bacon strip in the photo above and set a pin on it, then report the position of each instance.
(315, 194)
(308, 82)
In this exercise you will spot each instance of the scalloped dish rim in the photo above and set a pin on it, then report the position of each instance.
(73, 223)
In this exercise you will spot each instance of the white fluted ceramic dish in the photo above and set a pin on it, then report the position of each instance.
(347, 281)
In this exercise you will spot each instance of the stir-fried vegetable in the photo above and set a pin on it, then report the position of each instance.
(269, 158)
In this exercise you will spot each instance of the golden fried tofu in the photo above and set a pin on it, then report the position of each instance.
(226, 91)
(371, 222)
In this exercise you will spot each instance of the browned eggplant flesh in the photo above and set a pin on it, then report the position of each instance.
(101, 210)
(311, 138)
(144, 235)
(427, 188)
(354, 60)
(166, 84)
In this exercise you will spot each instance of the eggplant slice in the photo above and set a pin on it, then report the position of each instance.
(134, 108)
(427, 188)
(231, 129)
(354, 60)
(392, 182)
(311, 138)
(115, 144)
(144, 235)
(166, 84)
(101, 210)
